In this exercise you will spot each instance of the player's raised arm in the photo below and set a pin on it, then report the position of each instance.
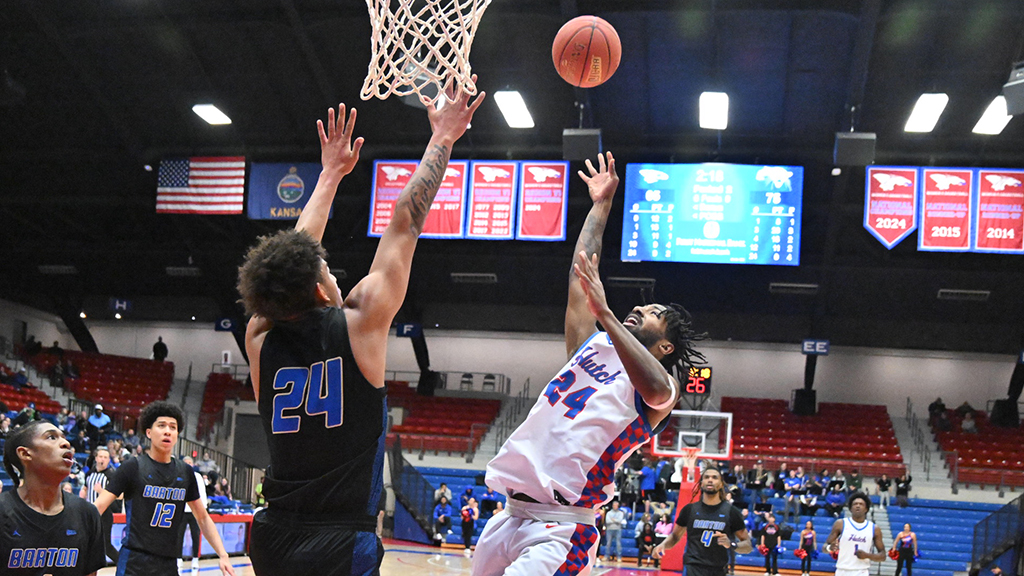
(376, 299)
(646, 373)
(601, 183)
(338, 156)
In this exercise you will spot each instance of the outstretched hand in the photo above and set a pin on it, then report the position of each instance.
(590, 282)
(601, 183)
(338, 154)
(453, 118)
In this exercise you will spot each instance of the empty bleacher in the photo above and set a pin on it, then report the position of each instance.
(220, 387)
(844, 436)
(439, 424)
(990, 456)
(123, 385)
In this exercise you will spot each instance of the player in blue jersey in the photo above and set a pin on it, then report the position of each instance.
(156, 488)
(44, 530)
(317, 362)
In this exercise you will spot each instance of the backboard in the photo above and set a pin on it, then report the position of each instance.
(711, 432)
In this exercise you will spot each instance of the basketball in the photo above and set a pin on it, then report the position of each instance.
(586, 51)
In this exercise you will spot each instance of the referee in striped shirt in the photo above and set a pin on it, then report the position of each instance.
(95, 482)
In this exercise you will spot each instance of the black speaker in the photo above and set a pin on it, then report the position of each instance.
(804, 402)
(1005, 414)
(581, 143)
(854, 149)
(1013, 90)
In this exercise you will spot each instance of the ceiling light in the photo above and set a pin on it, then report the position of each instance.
(81, 315)
(183, 271)
(474, 278)
(926, 113)
(513, 108)
(994, 119)
(629, 282)
(211, 114)
(193, 318)
(117, 315)
(958, 294)
(837, 171)
(147, 168)
(792, 288)
(714, 110)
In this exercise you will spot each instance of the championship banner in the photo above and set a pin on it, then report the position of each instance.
(389, 178)
(1000, 211)
(890, 203)
(279, 191)
(492, 200)
(945, 209)
(447, 216)
(543, 202)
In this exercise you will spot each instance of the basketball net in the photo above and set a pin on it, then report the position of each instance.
(421, 47)
(690, 463)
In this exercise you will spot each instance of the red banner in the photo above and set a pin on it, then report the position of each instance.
(542, 201)
(890, 203)
(1000, 213)
(945, 209)
(492, 198)
(389, 178)
(447, 213)
(445, 219)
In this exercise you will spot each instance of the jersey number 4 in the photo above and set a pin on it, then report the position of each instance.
(308, 386)
(576, 401)
(707, 537)
(162, 515)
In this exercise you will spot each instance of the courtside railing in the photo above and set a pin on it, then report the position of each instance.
(999, 532)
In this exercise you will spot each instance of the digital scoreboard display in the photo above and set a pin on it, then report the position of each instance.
(712, 213)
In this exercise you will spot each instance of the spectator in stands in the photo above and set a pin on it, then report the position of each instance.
(222, 488)
(5, 426)
(20, 379)
(905, 546)
(903, 490)
(943, 423)
(794, 487)
(208, 466)
(779, 484)
(489, 502)
(56, 350)
(470, 514)
(968, 425)
(442, 519)
(822, 479)
(62, 418)
(261, 500)
(130, 440)
(883, 489)
(648, 484)
(854, 481)
(442, 490)
(644, 519)
(770, 539)
(934, 409)
(159, 349)
(80, 443)
(27, 414)
(32, 346)
(664, 471)
(466, 495)
(57, 374)
(70, 370)
(809, 503)
(839, 479)
(81, 423)
(663, 528)
(614, 522)
(757, 481)
(645, 543)
(99, 426)
(834, 503)
(965, 409)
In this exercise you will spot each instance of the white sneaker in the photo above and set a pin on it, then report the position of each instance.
(437, 536)
(466, 553)
(195, 566)
(180, 562)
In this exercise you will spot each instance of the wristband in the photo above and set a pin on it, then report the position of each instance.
(671, 400)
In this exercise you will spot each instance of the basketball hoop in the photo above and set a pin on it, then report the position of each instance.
(421, 47)
(690, 461)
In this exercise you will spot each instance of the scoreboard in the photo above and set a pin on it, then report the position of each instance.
(712, 213)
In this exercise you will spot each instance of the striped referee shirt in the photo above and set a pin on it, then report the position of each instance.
(96, 477)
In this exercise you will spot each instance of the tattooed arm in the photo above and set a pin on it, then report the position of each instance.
(579, 322)
(374, 301)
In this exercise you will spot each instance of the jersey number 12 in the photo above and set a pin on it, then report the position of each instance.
(308, 386)
(162, 515)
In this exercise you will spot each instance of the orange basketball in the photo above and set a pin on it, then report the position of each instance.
(586, 51)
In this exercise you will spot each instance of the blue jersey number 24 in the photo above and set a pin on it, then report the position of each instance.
(576, 401)
(309, 386)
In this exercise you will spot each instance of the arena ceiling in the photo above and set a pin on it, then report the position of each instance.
(108, 88)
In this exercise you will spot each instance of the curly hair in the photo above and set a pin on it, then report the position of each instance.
(279, 276)
(679, 331)
(158, 409)
(859, 496)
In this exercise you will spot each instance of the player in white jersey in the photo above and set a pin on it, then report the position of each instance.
(605, 402)
(854, 538)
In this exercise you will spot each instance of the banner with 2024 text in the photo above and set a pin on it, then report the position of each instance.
(890, 203)
(446, 218)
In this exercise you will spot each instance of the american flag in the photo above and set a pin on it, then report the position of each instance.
(201, 185)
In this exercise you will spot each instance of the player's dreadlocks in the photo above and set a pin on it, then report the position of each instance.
(710, 466)
(679, 331)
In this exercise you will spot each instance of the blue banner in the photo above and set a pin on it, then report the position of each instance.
(411, 330)
(279, 191)
(224, 325)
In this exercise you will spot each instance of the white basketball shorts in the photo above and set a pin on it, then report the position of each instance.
(514, 545)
